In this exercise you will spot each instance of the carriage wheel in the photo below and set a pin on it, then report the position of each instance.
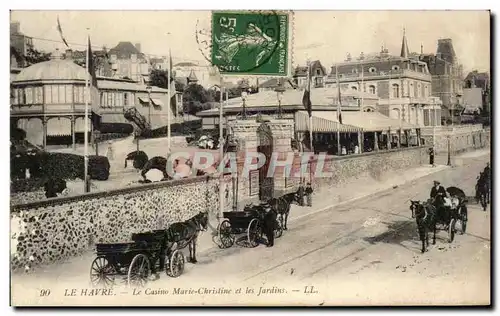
(102, 273)
(138, 271)
(451, 230)
(225, 236)
(176, 264)
(254, 233)
(278, 232)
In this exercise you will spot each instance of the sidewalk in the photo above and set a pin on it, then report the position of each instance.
(326, 198)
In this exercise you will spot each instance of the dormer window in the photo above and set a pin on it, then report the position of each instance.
(372, 69)
(395, 67)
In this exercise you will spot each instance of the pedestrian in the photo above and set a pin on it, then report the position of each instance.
(431, 157)
(309, 192)
(110, 154)
(270, 223)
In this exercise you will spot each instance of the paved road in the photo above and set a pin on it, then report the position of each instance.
(366, 252)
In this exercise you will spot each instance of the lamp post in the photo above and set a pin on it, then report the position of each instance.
(279, 94)
(449, 151)
(148, 88)
(244, 95)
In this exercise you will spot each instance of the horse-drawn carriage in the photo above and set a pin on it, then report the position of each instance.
(132, 261)
(432, 216)
(250, 221)
(148, 252)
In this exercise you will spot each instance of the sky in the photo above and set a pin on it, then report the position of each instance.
(324, 35)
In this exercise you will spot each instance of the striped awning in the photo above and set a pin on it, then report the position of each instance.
(157, 102)
(322, 125)
(366, 121)
(143, 100)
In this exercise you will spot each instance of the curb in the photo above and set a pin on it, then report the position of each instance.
(333, 206)
(354, 199)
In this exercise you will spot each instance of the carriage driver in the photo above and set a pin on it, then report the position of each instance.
(438, 194)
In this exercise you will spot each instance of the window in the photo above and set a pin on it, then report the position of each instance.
(110, 99)
(318, 72)
(125, 98)
(38, 95)
(395, 67)
(372, 69)
(48, 95)
(354, 71)
(354, 88)
(16, 96)
(395, 91)
(68, 94)
(371, 89)
(29, 95)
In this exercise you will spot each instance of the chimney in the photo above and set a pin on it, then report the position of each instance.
(138, 47)
(421, 49)
(15, 27)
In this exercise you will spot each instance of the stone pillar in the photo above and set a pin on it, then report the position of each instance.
(429, 117)
(73, 138)
(389, 139)
(245, 133)
(416, 114)
(418, 136)
(375, 136)
(282, 131)
(399, 138)
(44, 131)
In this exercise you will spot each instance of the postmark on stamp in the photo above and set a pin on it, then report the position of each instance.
(251, 43)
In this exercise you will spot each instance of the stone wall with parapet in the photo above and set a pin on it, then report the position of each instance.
(52, 230)
(462, 138)
(374, 165)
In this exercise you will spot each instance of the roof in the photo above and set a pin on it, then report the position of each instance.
(268, 99)
(368, 121)
(55, 69)
(321, 125)
(273, 83)
(381, 65)
(185, 64)
(125, 50)
(301, 71)
(123, 85)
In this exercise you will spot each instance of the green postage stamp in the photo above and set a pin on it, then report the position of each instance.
(252, 43)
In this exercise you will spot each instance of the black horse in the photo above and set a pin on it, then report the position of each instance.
(139, 159)
(186, 233)
(425, 215)
(482, 190)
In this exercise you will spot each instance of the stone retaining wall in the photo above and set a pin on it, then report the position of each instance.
(462, 138)
(54, 229)
(375, 165)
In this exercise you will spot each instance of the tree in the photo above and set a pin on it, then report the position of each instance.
(158, 78)
(34, 56)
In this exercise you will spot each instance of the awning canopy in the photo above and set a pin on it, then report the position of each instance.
(157, 102)
(144, 100)
(367, 121)
(322, 125)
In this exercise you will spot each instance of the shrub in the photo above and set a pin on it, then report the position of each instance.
(116, 128)
(58, 165)
(99, 167)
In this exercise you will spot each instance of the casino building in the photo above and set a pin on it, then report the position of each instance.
(48, 99)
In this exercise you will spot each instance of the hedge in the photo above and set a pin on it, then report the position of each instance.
(58, 165)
